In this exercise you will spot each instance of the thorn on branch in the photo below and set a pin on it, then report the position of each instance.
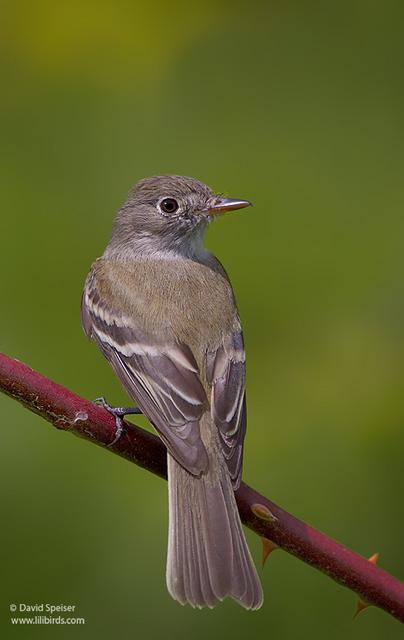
(267, 547)
(362, 603)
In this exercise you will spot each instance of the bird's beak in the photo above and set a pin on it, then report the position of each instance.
(226, 204)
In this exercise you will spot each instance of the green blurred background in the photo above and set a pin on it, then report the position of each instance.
(297, 106)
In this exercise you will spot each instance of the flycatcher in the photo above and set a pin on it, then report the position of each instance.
(161, 309)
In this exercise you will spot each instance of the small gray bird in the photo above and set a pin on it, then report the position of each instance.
(161, 309)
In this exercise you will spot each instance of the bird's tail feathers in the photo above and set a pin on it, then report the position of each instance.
(208, 557)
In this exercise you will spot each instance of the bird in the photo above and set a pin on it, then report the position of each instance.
(162, 310)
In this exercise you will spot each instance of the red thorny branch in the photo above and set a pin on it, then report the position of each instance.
(67, 411)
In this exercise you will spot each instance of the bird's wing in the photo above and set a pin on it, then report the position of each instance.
(163, 379)
(225, 372)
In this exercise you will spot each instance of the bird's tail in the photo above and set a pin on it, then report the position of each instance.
(208, 557)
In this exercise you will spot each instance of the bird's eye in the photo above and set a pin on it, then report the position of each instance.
(169, 205)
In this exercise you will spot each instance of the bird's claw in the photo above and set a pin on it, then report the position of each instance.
(118, 413)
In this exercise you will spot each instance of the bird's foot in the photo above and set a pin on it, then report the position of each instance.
(118, 413)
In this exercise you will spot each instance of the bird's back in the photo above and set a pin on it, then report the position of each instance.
(167, 298)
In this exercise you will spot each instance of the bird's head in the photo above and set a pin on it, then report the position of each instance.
(169, 213)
